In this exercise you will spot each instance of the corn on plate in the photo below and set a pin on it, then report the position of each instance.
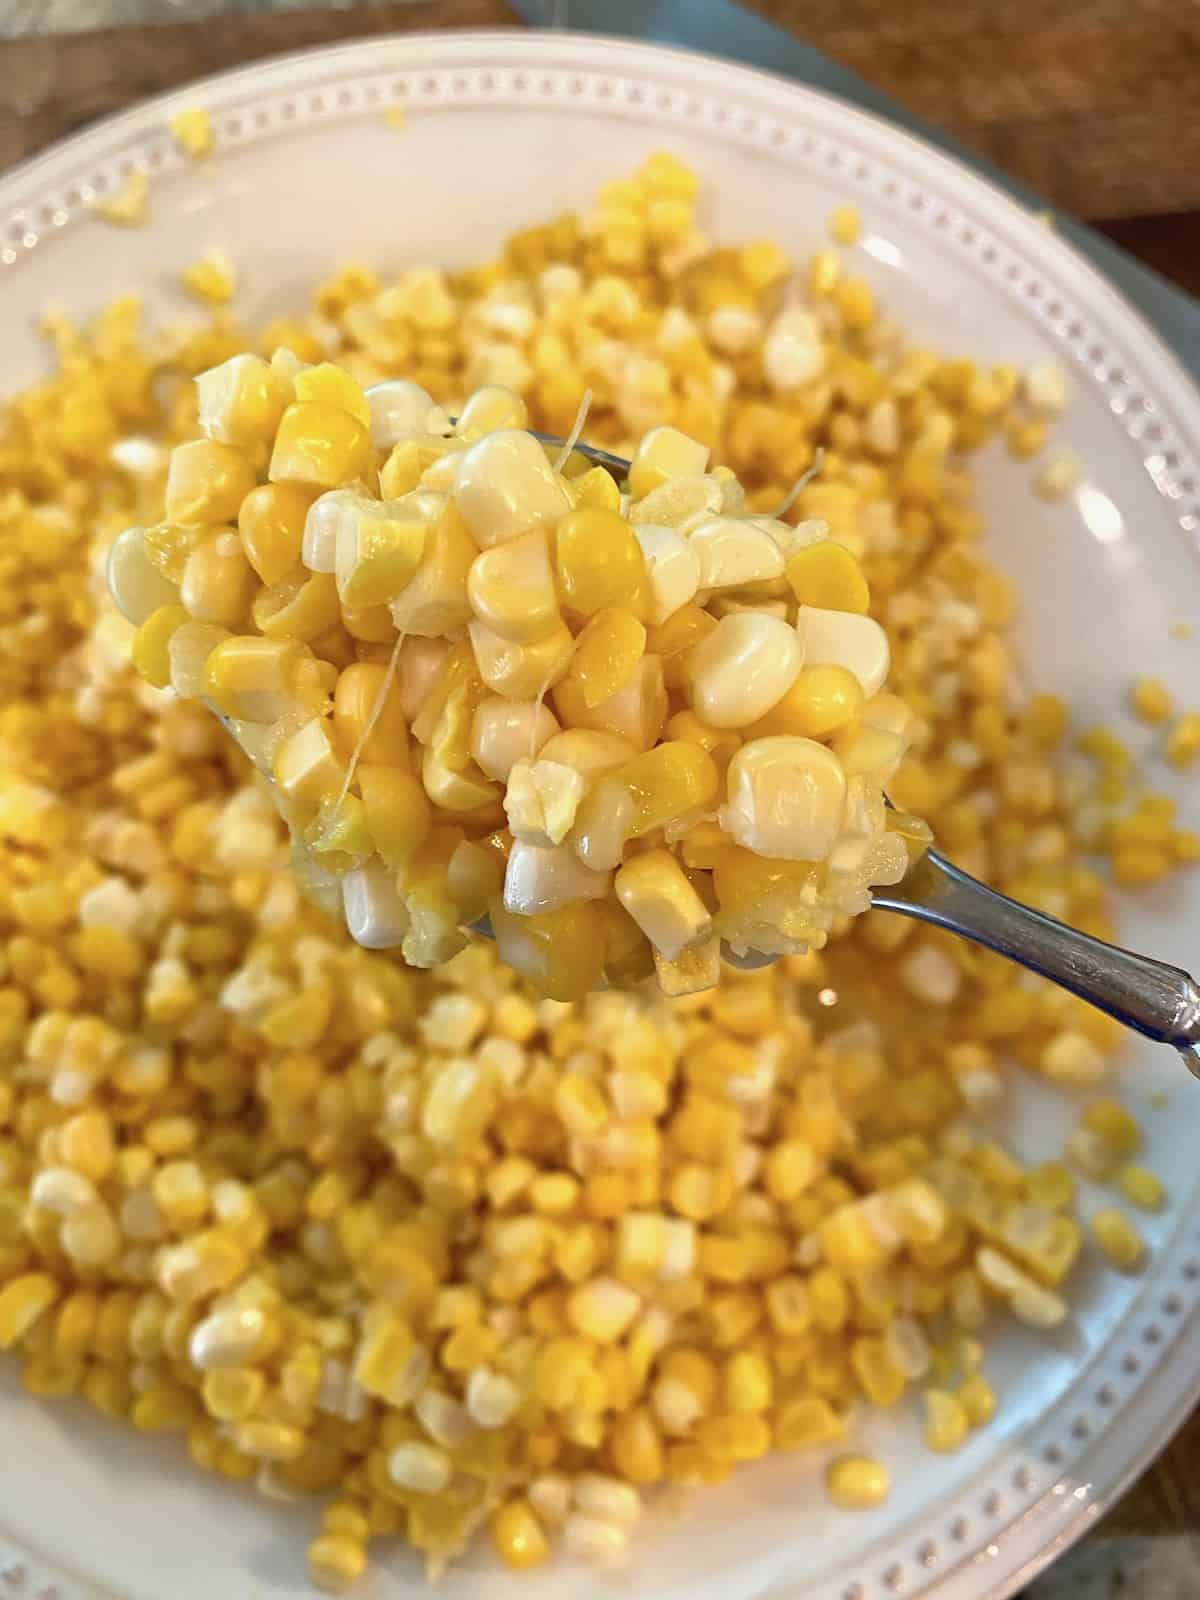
(450, 1255)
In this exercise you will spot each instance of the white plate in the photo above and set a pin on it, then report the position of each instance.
(505, 129)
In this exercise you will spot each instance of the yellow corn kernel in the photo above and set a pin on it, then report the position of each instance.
(367, 697)
(744, 1437)
(129, 207)
(1118, 1238)
(191, 129)
(149, 651)
(518, 1537)
(664, 453)
(822, 700)
(747, 1382)
(327, 384)
(336, 1561)
(598, 562)
(255, 680)
(232, 1394)
(212, 278)
(581, 1105)
(878, 1375)
(1183, 741)
(1142, 1188)
(1117, 1127)
(303, 606)
(24, 1300)
(319, 444)
(396, 809)
(806, 1422)
(206, 483)
(560, 1369)
(857, 1483)
(656, 893)
(828, 576)
(636, 1446)
(978, 1399)
(1051, 1186)
(1151, 700)
(845, 225)
(947, 1421)
(607, 652)
(378, 550)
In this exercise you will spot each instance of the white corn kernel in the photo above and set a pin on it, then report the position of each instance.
(845, 639)
(733, 329)
(328, 512)
(538, 879)
(134, 582)
(600, 1495)
(604, 1544)
(399, 408)
(793, 353)
(490, 409)
(419, 662)
(550, 1497)
(505, 486)
(1045, 388)
(786, 797)
(744, 667)
(636, 711)
(234, 1337)
(422, 1468)
(1060, 474)
(734, 552)
(504, 732)
(188, 651)
(672, 569)
(1071, 1057)
(376, 916)
(444, 1418)
(882, 427)
(928, 973)
(679, 1249)
(63, 1190)
(492, 1399)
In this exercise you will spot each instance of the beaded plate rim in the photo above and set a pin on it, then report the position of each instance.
(1007, 1524)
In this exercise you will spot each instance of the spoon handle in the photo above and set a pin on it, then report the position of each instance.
(1160, 1001)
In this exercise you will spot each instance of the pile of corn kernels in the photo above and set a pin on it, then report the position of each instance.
(444, 1254)
(643, 722)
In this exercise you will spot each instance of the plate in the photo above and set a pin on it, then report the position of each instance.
(503, 129)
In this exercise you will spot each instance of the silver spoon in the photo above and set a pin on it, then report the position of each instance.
(1160, 1001)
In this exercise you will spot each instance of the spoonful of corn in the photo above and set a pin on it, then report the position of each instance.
(595, 707)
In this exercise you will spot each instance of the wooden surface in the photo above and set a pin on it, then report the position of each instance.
(1089, 101)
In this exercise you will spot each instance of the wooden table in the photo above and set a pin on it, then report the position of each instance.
(1091, 102)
